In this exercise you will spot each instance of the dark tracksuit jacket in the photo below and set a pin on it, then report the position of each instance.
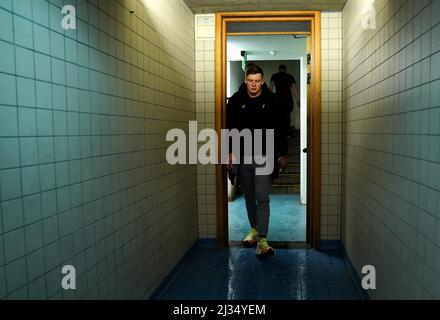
(262, 112)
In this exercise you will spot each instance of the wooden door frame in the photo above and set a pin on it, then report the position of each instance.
(313, 116)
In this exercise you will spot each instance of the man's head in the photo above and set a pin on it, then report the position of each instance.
(254, 80)
(250, 64)
(282, 68)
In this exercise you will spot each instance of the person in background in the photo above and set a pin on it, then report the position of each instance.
(284, 84)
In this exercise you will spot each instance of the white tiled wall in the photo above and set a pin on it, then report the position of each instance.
(391, 139)
(331, 63)
(83, 118)
(205, 108)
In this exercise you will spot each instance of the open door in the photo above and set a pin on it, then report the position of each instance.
(305, 92)
(251, 23)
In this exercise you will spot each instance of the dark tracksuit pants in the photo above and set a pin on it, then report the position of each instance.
(256, 190)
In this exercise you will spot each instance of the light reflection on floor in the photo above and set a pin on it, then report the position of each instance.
(236, 273)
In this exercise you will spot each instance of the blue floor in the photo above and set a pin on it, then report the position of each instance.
(287, 218)
(237, 274)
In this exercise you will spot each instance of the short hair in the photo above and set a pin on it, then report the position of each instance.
(254, 69)
(249, 65)
(282, 67)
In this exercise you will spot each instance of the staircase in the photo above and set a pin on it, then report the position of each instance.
(288, 182)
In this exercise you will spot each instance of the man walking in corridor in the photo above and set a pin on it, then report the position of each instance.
(255, 107)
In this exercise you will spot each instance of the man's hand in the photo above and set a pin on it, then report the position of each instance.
(231, 159)
(282, 163)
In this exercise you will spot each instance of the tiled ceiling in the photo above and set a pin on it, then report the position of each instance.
(210, 6)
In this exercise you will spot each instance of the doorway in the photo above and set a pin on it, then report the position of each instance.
(274, 24)
(287, 227)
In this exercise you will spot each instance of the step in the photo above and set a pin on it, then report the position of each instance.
(285, 189)
(293, 168)
(295, 132)
(288, 178)
(278, 189)
(294, 139)
(293, 149)
(293, 157)
(293, 142)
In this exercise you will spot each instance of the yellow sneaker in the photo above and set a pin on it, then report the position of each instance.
(263, 248)
(251, 238)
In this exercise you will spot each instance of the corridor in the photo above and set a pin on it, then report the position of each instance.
(235, 274)
(96, 204)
